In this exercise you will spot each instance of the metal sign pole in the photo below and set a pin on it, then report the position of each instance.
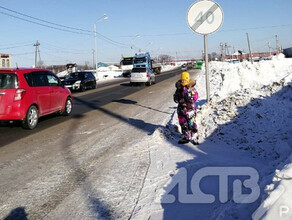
(205, 17)
(207, 67)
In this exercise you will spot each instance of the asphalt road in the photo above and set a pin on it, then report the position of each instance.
(90, 165)
(83, 102)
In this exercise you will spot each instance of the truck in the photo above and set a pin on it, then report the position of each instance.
(142, 70)
(156, 67)
(127, 65)
(70, 67)
(144, 60)
(199, 64)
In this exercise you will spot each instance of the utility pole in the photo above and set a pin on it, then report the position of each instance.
(93, 52)
(269, 49)
(37, 44)
(40, 60)
(277, 44)
(222, 52)
(250, 55)
(227, 50)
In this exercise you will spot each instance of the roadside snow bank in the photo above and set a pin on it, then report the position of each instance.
(165, 68)
(277, 202)
(246, 124)
(226, 78)
(251, 110)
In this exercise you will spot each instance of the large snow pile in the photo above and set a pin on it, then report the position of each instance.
(235, 85)
(110, 72)
(226, 78)
(167, 67)
(248, 122)
(255, 99)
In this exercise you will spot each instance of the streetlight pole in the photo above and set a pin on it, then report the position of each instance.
(104, 17)
(132, 43)
(146, 47)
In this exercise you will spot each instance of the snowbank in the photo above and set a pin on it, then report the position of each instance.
(248, 122)
(226, 78)
(165, 68)
(256, 100)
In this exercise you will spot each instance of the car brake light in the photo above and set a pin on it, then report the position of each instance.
(147, 74)
(19, 94)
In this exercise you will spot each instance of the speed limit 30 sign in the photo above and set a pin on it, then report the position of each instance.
(205, 17)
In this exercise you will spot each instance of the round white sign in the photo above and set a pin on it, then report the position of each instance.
(205, 17)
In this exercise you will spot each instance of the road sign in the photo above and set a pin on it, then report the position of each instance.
(205, 17)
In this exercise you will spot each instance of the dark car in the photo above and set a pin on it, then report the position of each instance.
(80, 81)
(27, 94)
(184, 67)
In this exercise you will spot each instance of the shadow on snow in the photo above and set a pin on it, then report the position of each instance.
(243, 149)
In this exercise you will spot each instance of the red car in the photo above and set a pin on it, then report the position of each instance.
(27, 94)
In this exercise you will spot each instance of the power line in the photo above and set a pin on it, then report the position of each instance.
(88, 32)
(256, 28)
(188, 33)
(44, 25)
(48, 22)
(5, 48)
(64, 50)
(21, 54)
(13, 44)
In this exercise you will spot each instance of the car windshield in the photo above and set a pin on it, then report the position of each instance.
(140, 60)
(8, 81)
(138, 70)
(73, 75)
(127, 62)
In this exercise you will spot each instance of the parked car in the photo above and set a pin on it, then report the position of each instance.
(27, 94)
(142, 75)
(80, 81)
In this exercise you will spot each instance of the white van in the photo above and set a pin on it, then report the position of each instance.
(142, 75)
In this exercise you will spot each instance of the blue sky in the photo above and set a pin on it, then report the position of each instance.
(161, 25)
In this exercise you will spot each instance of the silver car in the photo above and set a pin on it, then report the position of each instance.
(142, 75)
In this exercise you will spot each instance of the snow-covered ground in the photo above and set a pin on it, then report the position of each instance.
(245, 131)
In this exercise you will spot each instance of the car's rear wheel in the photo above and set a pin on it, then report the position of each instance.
(31, 119)
(68, 107)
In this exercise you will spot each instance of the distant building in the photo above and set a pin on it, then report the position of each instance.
(5, 61)
(256, 55)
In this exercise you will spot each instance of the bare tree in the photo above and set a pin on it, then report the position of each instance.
(165, 58)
